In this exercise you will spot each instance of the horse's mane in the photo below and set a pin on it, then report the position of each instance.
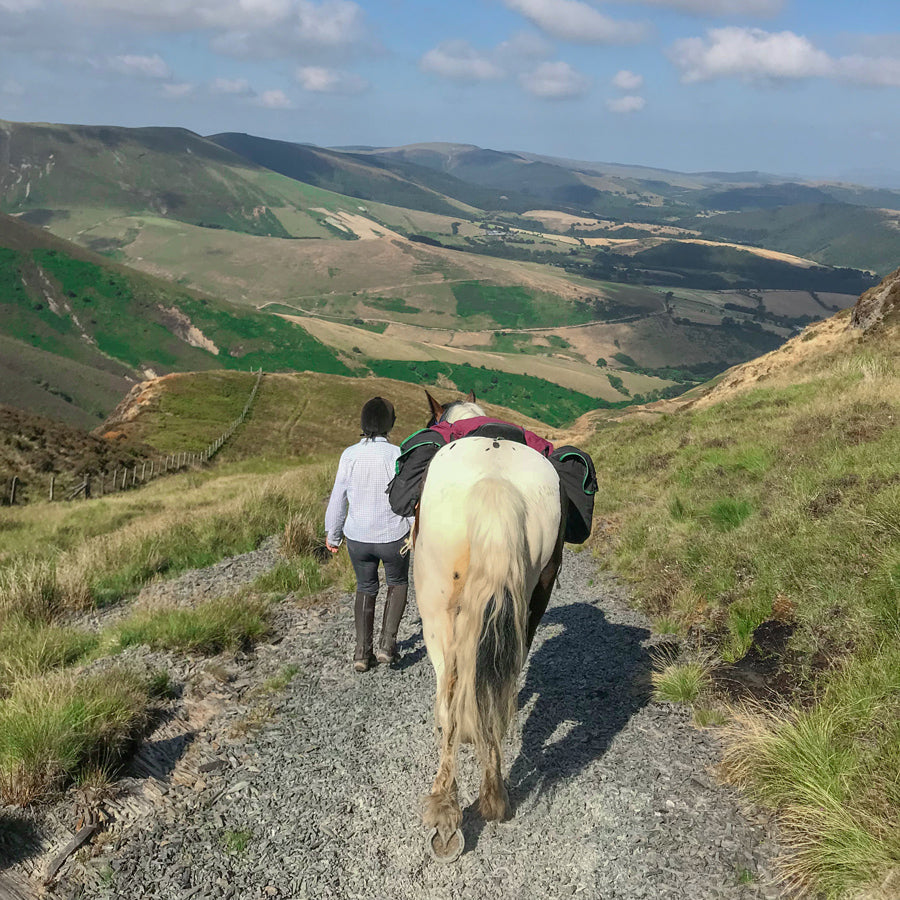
(461, 409)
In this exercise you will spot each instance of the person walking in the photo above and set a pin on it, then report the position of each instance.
(359, 512)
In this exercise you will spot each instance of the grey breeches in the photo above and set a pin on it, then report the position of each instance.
(365, 558)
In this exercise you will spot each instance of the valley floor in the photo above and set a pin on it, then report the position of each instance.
(267, 781)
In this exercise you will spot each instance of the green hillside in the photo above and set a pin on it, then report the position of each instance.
(80, 309)
(363, 176)
(296, 415)
(52, 170)
(837, 234)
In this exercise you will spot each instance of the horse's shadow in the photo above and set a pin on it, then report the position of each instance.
(585, 684)
(410, 652)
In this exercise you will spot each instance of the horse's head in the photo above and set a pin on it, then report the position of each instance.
(453, 411)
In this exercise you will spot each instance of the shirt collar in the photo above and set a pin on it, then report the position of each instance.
(377, 438)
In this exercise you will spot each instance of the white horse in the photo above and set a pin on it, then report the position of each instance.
(487, 551)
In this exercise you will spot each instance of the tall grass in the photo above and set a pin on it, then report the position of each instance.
(28, 648)
(56, 725)
(782, 504)
(52, 728)
(229, 623)
(180, 532)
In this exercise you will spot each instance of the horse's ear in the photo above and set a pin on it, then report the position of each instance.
(436, 409)
(471, 397)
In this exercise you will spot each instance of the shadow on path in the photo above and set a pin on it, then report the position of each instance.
(19, 839)
(588, 682)
(410, 651)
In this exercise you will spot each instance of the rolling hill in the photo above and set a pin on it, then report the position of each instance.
(438, 249)
(68, 312)
(78, 328)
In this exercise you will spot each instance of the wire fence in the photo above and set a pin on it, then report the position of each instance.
(91, 485)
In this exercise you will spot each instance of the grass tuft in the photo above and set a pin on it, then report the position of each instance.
(51, 729)
(728, 513)
(301, 536)
(236, 841)
(229, 623)
(300, 576)
(680, 682)
(280, 681)
(30, 648)
(29, 588)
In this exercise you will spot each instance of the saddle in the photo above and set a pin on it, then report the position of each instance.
(574, 467)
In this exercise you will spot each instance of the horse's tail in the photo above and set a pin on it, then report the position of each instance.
(489, 637)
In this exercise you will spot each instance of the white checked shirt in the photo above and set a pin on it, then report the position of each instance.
(362, 479)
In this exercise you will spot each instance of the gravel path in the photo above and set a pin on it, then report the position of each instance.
(613, 794)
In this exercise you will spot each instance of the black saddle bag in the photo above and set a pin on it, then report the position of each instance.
(579, 483)
(416, 453)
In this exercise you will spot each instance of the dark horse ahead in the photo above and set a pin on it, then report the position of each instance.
(489, 543)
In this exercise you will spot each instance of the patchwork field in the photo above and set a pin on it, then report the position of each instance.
(404, 343)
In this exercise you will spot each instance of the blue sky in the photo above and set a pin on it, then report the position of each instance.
(806, 87)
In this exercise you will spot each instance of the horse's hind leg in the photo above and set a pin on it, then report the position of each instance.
(493, 801)
(442, 811)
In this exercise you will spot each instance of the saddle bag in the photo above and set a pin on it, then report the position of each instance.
(579, 483)
(416, 453)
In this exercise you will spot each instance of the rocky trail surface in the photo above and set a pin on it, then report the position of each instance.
(313, 789)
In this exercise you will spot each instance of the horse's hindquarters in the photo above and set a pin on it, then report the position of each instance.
(442, 551)
(456, 471)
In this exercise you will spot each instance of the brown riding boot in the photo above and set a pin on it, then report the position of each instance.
(364, 618)
(394, 606)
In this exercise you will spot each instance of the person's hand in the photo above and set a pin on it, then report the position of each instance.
(331, 548)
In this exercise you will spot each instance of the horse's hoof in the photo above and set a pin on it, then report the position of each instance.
(446, 851)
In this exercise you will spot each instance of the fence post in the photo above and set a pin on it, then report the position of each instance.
(12, 490)
(124, 476)
(87, 485)
(52, 485)
(102, 477)
(134, 476)
(115, 477)
(143, 471)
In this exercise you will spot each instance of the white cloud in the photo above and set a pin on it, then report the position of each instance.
(524, 45)
(749, 53)
(142, 66)
(572, 20)
(259, 29)
(721, 7)
(330, 81)
(628, 104)
(876, 71)
(274, 99)
(326, 22)
(239, 87)
(178, 91)
(12, 89)
(460, 61)
(754, 54)
(554, 81)
(628, 81)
